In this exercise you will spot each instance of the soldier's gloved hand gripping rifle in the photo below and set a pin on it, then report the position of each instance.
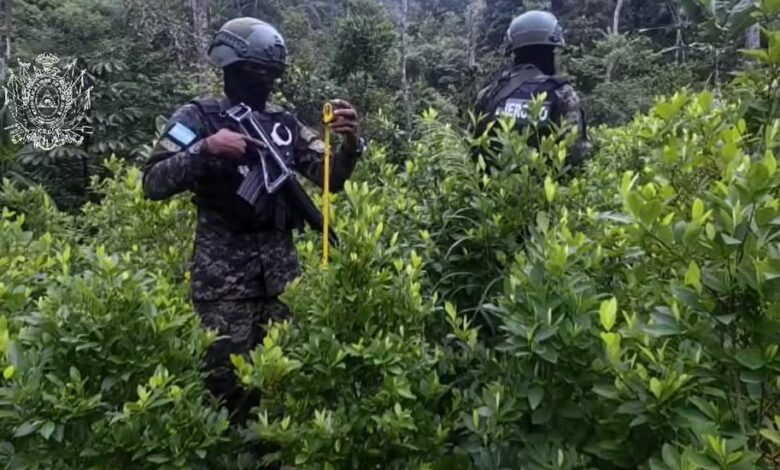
(273, 175)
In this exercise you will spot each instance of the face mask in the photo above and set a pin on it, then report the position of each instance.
(248, 86)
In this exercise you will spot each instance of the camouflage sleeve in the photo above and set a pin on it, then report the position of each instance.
(573, 114)
(309, 160)
(172, 169)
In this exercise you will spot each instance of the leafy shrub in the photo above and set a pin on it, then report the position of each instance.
(125, 221)
(353, 383)
(101, 357)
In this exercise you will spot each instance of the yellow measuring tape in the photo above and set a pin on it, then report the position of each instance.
(327, 118)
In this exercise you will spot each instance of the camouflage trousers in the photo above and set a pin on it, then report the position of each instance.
(242, 325)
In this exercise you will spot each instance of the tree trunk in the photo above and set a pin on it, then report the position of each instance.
(615, 32)
(200, 25)
(753, 34)
(476, 17)
(753, 37)
(404, 76)
(680, 40)
(616, 17)
(5, 37)
(678, 15)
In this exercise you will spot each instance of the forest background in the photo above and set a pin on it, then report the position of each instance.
(393, 59)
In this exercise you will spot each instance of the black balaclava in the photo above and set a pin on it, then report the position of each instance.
(253, 89)
(543, 57)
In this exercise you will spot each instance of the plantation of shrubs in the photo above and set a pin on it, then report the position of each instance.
(493, 313)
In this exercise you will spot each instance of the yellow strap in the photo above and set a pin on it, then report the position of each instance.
(327, 118)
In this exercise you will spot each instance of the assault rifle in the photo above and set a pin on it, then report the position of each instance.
(273, 175)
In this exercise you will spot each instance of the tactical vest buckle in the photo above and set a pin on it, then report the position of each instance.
(238, 112)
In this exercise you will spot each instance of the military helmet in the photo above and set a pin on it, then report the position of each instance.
(533, 28)
(248, 39)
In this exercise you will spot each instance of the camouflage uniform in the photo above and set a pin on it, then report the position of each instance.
(237, 271)
(243, 322)
(568, 108)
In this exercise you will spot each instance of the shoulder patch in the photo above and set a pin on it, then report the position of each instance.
(169, 145)
(181, 134)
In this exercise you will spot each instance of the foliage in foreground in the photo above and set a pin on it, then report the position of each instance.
(95, 346)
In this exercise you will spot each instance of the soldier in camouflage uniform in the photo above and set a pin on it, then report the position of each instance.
(243, 255)
(534, 38)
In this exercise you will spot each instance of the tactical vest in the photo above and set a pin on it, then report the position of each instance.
(217, 193)
(512, 96)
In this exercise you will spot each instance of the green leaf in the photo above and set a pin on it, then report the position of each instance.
(753, 359)
(656, 387)
(771, 435)
(631, 408)
(692, 231)
(450, 309)
(541, 415)
(751, 377)
(656, 464)
(730, 241)
(405, 392)
(548, 354)
(549, 189)
(157, 458)
(634, 203)
(627, 183)
(671, 457)
(693, 277)
(47, 429)
(542, 221)
(27, 428)
(606, 391)
(698, 210)
(659, 331)
(608, 313)
(612, 343)
(638, 421)
(535, 396)
(704, 462)
(666, 110)
(756, 54)
(770, 162)
(74, 374)
(8, 373)
(650, 212)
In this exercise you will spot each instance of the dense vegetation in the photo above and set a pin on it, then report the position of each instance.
(520, 316)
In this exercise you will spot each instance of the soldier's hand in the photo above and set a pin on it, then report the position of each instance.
(226, 143)
(347, 122)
